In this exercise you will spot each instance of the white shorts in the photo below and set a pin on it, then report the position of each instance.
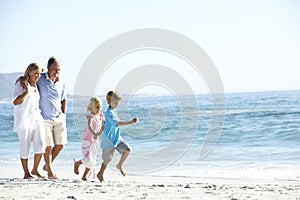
(56, 131)
(35, 135)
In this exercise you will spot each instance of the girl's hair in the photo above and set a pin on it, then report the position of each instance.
(93, 102)
(30, 68)
(113, 95)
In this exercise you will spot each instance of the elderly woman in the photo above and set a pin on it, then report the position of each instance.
(28, 121)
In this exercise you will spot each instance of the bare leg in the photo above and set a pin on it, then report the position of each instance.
(56, 150)
(48, 161)
(122, 159)
(36, 162)
(27, 175)
(53, 153)
(102, 169)
(86, 171)
(76, 166)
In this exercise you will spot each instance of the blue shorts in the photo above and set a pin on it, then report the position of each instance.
(108, 154)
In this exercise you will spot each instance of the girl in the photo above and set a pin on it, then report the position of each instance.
(90, 138)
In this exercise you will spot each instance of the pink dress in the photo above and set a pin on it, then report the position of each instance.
(90, 146)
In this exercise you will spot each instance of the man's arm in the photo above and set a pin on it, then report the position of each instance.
(64, 106)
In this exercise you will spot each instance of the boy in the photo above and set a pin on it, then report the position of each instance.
(111, 137)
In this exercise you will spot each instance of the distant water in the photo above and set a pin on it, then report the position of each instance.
(260, 137)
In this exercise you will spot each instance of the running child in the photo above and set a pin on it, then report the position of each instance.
(90, 138)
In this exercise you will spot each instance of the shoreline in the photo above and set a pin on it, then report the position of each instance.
(70, 186)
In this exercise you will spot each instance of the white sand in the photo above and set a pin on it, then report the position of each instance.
(70, 186)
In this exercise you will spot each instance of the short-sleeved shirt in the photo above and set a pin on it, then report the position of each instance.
(51, 96)
(111, 136)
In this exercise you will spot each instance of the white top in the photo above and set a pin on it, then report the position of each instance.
(28, 111)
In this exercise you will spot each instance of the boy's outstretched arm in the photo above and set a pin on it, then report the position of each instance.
(133, 121)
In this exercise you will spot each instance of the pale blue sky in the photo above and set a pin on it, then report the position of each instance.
(254, 44)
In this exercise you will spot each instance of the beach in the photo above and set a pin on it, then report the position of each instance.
(70, 186)
(255, 157)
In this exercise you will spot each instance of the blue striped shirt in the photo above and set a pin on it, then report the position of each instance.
(51, 96)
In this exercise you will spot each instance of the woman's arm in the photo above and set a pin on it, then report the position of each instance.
(21, 97)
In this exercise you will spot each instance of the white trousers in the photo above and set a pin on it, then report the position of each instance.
(33, 134)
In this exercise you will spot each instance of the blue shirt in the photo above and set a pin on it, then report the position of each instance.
(111, 136)
(51, 96)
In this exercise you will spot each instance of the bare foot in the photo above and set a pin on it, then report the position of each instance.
(45, 168)
(36, 173)
(121, 170)
(52, 177)
(28, 176)
(100, 177)
(84, 178)
(76, 166)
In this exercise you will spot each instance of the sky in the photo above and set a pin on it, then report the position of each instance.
(254, 44)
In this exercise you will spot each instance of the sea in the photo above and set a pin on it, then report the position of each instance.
(258, 137)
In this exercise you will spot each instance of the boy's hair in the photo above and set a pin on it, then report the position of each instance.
(93, 102)
(113, 95)
(51, 61)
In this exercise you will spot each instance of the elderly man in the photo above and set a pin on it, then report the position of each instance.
(53, 104)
